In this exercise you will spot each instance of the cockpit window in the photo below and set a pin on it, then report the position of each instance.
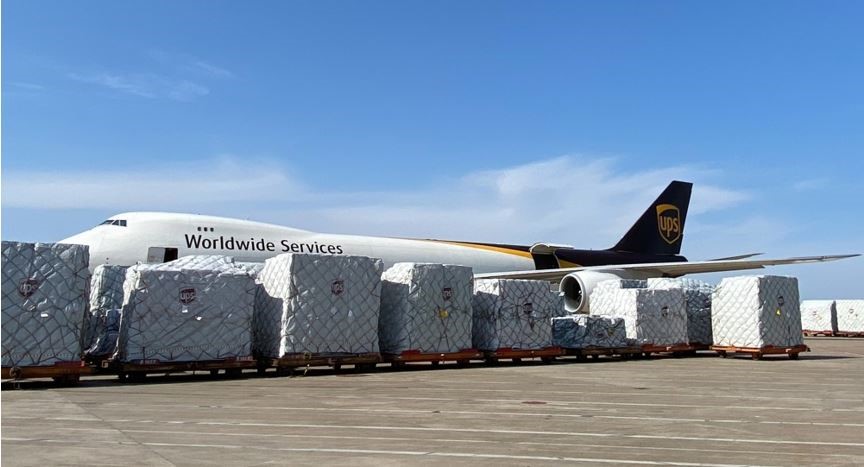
(118, 222)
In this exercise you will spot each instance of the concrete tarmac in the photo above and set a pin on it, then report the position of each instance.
(664, 411)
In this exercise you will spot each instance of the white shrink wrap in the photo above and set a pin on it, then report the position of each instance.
(587, 331)
(106, 287)
(426, 307)
(172, 314)
(651, 316)
(200, 262)
(615, 284)
(45, 294)
(850, 316)
(819, 315)
(105, 339)
(106, 293)
(514, 314)
(697, 300)
(756, 311)
(319, 304)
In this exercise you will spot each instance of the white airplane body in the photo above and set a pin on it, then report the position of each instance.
(148, 236)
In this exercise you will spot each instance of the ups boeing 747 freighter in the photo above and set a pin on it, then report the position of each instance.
(651, 248)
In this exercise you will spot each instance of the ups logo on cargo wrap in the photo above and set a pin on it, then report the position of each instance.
(669, 222)
(27, 287)
(188, 296)
(447, 294)
(337, 287)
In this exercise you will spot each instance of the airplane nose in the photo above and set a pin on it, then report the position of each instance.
(93, 240)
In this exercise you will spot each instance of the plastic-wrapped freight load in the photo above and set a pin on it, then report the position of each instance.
(319, 304)
(697, 299)
(514, 314)
(850, 316)
(45, 293)
(756, 311)
(819, 316)
(106, 294)
(587, 331)
(426, 307)
(651, 316)
(175, 314)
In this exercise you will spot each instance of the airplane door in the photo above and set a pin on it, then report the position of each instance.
(158, 254)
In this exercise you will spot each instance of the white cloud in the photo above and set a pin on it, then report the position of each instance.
(187, 186)
(185, 63)
(148, 85)
(570, 199)
(26, 86)
(810, 184)
(210, 69)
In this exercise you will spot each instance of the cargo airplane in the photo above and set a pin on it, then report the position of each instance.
(651, 248)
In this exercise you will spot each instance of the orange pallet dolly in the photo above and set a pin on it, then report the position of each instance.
(758, 352)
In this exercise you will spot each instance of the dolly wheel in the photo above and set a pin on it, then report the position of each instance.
(793, 356)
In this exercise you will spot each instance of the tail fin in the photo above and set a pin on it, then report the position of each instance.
(660, 230)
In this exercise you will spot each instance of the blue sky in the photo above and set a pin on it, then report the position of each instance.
(506, 121)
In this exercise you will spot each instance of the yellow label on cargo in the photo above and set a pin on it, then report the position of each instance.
(778, 311)
(443, 314)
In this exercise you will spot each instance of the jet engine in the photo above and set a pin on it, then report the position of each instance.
(576, 287)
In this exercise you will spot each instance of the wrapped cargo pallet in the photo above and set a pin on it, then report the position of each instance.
(850, 316)
(425, 307)
(106, 295)
(318, 304)
(173, 314)
(45, 294)
(697, 300)
(756, 312)
(819, 316)
(587, 331)
(651, 316)
(514, 314)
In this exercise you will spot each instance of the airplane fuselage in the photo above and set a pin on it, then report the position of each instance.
(156, 237)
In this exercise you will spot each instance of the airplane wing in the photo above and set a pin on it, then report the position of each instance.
(662, 269)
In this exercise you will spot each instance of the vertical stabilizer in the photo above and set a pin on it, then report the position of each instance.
(660, 229)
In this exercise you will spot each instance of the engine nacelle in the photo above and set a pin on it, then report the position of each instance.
(576, 287)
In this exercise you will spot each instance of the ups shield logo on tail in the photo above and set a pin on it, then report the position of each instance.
(669, 222)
